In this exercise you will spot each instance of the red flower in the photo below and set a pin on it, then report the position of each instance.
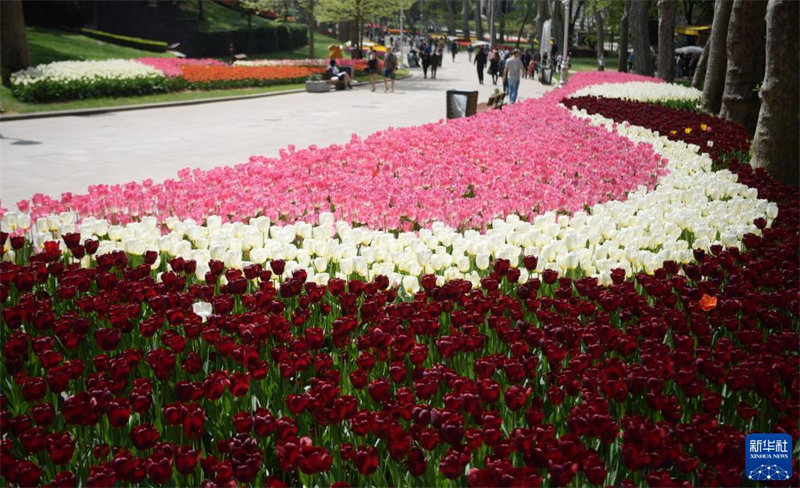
(144, 436)
(366, 460)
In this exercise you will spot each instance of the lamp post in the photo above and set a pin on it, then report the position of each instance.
(565, 56)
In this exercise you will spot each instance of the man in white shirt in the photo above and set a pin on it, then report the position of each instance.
(512, 75)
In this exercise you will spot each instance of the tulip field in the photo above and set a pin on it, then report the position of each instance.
(590, 288)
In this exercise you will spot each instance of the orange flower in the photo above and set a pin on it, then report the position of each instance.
(204, 74)
(708, 303)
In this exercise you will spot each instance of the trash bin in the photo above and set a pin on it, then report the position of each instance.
(461, 103)
(546, 75)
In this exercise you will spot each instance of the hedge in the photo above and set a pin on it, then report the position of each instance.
(134, 42)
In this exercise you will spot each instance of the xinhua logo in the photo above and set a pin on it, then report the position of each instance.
(768, 457)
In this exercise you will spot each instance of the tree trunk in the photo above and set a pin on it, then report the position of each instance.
(541, 16)
(200, 13)
(451, 17)
(478, 21)
(775, 145)
(557, 23)
(700, 71)
(714, 81)
(642, 58)
(501, 34)
(525, 18)
(13, 39)
(311, 37)
(465, 19)
(746, 34)
(492, 19)
(666, 39)
(622, 50)
(598, 20)
(574, 18)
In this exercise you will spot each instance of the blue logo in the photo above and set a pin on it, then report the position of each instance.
(768, 457)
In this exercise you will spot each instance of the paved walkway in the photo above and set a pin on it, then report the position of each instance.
(69, 153)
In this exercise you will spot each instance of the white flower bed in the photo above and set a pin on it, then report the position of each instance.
(641, 91)
(64, 71)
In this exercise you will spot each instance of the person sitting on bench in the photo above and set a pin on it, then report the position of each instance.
(335, 74)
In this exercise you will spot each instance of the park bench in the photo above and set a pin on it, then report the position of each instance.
(495, 102)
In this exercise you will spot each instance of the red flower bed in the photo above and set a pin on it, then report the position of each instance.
(692, 127)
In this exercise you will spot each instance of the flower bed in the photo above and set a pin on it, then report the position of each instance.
(718, 138)
(233, 364)
(356, 64)
(172, 66)
(241, 76)
(87, 79)
(643, 91)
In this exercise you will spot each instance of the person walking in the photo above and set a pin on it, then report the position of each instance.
(425, 59)
(494, 66)
(436, 60)
(454, 49)
(470, 48)
(389, 68)
(480, 61)
(372, 66)
(512, 75)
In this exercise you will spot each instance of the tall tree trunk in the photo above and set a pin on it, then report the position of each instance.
(642, 58)
(13, 39)
(714, 82)
(200, 12)
(598, 21)
(541, 16)
(492, 19)
(557, 23)
(311, 26)
(746, 34)
(451, 17)
(775, 145)
(578, 6)
(501, 34)
(478, 21)
(465, 19)
(700, 71)
(622, 50)
(525, 17)
(666, 39)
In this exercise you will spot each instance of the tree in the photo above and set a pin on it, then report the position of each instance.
(355, 11)
(714, 82)
(13, 39)
(666, 39)
(700, 71)
(775, 145)
(642, 58)
(465, 11)
(745, 46)
(492, 17)
(557, 22)
(478, 20)
(598, 22)
(451, 17)
(622, 51)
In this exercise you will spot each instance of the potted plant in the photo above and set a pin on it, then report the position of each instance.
(315, 84)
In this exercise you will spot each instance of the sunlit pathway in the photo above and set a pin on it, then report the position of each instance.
(69, 153)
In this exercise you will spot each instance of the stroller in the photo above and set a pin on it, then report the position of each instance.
(413, 60)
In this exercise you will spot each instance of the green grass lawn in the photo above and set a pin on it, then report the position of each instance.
(218, 18)
(321, 44)
(590, 64)
(48, 45)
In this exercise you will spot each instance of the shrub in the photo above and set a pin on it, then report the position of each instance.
(134, 42)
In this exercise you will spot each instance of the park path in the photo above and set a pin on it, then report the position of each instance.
(69, 153)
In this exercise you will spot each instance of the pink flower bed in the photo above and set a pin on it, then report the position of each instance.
(530, 158)
(172, 66)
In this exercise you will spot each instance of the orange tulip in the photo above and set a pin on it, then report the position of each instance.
(708, 303)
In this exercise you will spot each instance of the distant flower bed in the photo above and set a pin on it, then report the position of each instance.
(64, 80)
(356, 64)
(72, 80)
(172, 66)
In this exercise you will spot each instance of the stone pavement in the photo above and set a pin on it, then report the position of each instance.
(69, 153)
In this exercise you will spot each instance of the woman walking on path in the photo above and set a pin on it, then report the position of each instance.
(436, 59)
(425, 59)
(494, 66)
(372, 66)
(480, 61)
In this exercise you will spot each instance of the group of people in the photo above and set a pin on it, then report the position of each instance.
(390, 64)
(510, 66)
